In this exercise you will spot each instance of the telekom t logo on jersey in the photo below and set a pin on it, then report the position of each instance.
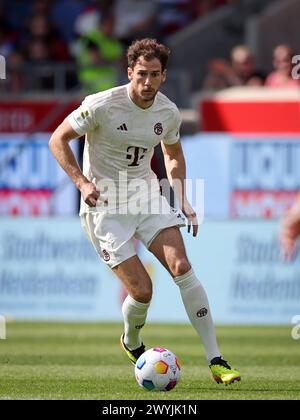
(2, 67)
(135, 155)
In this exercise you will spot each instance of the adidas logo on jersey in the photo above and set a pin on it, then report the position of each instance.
(122, 127)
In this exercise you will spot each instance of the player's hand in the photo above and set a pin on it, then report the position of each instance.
(191, 216)
(289, 232)
(89, 194)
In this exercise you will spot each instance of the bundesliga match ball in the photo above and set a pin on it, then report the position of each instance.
(157, 369)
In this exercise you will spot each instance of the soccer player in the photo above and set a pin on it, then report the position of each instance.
(290, 230)
(121, 127)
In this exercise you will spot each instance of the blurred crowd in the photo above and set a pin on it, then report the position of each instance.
(87, 41)
(93, 34)
(241, 70)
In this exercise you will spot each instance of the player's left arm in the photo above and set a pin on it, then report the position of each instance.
(176, 172)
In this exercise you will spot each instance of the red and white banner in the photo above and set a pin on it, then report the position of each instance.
(251, 110)
(260, 204)
(26, 116)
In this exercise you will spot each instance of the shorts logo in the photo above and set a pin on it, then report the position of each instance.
(158, 129)
(138, 327)
(84, 114)
(202, 312)
(105, 255)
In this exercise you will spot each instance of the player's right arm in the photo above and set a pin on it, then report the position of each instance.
(61, 150)
(290, 230)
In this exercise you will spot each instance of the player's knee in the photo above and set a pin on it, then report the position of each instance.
(180, 267)
(143, 295)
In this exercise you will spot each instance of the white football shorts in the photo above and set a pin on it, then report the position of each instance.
(112, 235)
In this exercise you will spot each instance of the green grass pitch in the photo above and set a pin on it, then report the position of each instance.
(85, 361)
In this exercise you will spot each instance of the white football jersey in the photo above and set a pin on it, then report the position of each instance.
(120, 139)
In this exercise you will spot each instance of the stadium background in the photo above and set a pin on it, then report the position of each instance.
(243, 141)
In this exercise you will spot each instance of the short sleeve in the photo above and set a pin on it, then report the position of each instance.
(173, 134)
(82, 119)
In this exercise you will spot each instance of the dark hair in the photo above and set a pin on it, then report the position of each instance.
(149, 49)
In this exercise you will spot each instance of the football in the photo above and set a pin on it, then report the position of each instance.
(157, 369)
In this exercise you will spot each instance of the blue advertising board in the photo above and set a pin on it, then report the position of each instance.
(49, 271)
(255, 176)
(31, 181)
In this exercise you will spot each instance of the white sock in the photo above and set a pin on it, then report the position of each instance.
(197, 307)
(134, 314)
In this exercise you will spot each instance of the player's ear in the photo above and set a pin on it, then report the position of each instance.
(164, 75)
(129, 73)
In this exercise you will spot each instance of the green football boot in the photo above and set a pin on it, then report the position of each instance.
(222, 372)
(133, 355)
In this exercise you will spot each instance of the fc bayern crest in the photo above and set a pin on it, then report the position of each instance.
(105, 255)
(158, 129)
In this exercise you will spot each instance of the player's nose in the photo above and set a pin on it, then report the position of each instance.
(148, 81)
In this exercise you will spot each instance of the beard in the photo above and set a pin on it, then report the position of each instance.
(148, 96)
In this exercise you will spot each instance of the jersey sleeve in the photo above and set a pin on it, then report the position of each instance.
(82, 119)
(173, 135)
